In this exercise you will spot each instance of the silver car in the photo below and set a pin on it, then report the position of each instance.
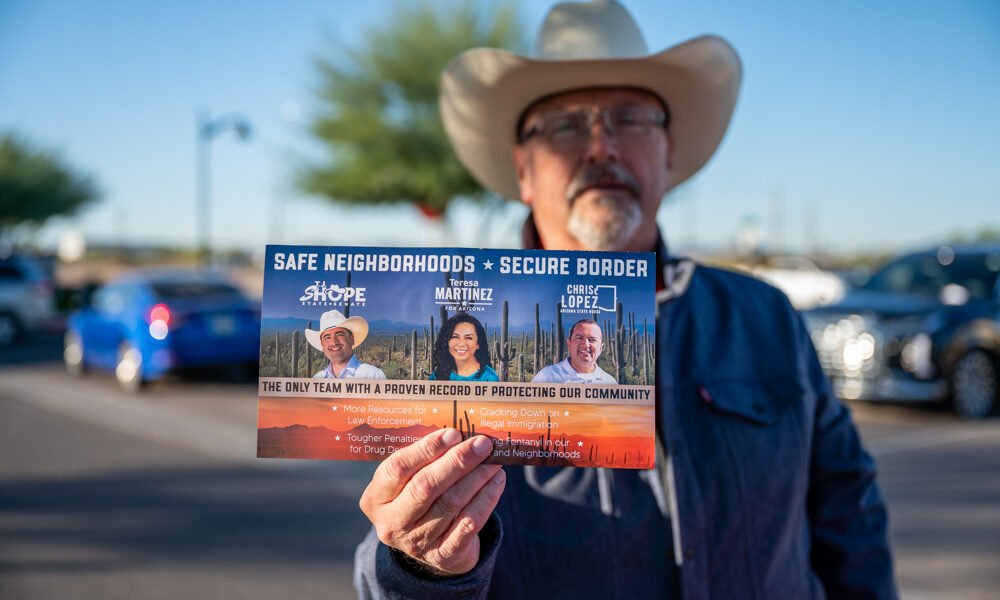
(26, 299)
(925, 327)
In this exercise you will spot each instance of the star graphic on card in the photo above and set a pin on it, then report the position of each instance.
(488, 265)
(580, 444)
(434, 410)
(336, 437)
(565, 413)
(472, 411)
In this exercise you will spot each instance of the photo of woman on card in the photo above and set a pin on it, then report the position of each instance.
(461, 352)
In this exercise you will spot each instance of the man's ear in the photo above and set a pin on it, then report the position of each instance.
(523, 173)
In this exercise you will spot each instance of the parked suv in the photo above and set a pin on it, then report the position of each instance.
(26, 299)
(924, 327)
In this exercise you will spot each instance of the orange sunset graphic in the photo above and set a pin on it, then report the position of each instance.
(554, 434)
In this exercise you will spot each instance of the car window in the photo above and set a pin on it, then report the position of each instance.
(111, 299)
(11, 274)
(173, 290)
(925, 275)
(99, 299)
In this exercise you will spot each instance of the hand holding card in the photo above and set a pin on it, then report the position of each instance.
(431, 499)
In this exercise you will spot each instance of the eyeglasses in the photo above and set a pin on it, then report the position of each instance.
(571, 129)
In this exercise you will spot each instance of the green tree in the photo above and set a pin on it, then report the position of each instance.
(37, 184)
(379, 115)
(985, 234)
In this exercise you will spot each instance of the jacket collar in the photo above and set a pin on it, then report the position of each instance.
(673, 274)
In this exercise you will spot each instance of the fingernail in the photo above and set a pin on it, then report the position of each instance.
(482, 445)
(451, 437)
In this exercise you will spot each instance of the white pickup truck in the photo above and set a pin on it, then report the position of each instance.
(805, 284)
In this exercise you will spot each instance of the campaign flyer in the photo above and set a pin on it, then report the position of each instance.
(550, 354)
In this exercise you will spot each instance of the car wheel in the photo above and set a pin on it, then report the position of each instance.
(10, 329)
(73, 353)
(128, 368)
(974, 385)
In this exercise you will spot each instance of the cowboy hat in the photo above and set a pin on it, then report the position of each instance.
(333, 319)
(484, 91)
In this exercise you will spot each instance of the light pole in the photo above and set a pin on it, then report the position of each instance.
(207, 129)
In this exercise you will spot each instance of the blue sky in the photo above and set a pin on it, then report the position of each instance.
(860, 125)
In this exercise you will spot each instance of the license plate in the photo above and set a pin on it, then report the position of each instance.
(222, 325)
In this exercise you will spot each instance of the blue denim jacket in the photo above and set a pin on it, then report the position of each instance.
(767, 492)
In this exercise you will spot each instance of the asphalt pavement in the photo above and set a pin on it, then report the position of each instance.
(107, 495)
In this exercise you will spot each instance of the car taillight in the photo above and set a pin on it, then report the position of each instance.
(160, 312)
(159, 321)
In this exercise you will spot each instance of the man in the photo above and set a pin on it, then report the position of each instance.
(762, 488)
(336, 338)
(585, 346)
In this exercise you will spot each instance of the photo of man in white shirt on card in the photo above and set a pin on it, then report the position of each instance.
(336, 338)
(585, 343)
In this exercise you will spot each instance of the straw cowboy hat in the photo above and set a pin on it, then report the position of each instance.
(484, 91)
(333, 319)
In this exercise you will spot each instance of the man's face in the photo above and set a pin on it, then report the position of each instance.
(585, 347)
(338, 344)
(602, 194)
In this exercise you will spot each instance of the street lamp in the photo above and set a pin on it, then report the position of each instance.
(207, 129)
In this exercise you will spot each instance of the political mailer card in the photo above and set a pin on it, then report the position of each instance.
(550, 354)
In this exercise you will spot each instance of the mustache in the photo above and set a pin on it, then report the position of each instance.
(601, 173)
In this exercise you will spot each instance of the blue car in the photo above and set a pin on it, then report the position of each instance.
(147, 324)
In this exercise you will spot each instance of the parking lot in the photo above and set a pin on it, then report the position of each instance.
(159, 495)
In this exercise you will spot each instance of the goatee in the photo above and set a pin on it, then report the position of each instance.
(604, 221)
